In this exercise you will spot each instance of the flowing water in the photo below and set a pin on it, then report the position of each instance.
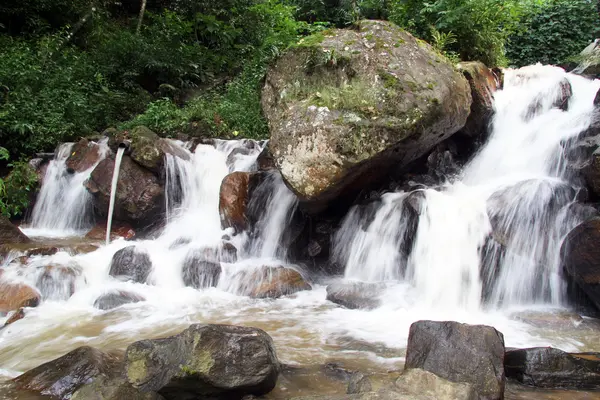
(113, 191)
(483, 248)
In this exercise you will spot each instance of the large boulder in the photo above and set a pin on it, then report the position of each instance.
(355, 295)
(9, 233)
(60, 378)
(84, 155)
(131, 263)
(590, 60)
(269, 282)
(116, 298)
(460, 353)
(346, 106)
(483, 84)
(202, 268)
(204, 361)
(139, 199)
(546, 367)
(149, 150)
(112, 389)
(16, 295)
(234, 198)
(580, 256)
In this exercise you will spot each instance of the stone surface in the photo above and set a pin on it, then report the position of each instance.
(270, 282)
(17, 315)
(118, 230)
(233, 200)
(343, 107)
(483, 83)
(355, 295)
(139, 198)
(61, 377)
(460, 353)
(149, 150)
(131, 263)
(57, 282)
(546, 367)
(84, 155)
(113, 389)
(201, 268)
(116, 298)
(9, 233)
(418, 382)
(205, 360)
(16, 295)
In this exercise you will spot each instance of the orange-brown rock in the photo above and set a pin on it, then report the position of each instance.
(84, 155)
(118, 230)
(10, 233)
(16, 295)
(273, 282)
(17, 315)
(233, 200)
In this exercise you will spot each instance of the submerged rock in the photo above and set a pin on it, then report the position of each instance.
(115, 299)
(546, 367)
(472, 354)
(270, 282)
(580, 255)
(84, 155)
(60, 378)
(140, 196)
(201, 268)
(131, 263)
(16, 295)
(17, 315)
(483, 83)
(344, 108)
(118, 230)
(9, 233)
(57, 282)
(205, 361)
(418, 382)
(355, 295)
(113, 389)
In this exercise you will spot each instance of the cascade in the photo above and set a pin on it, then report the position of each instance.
(63, 207)
(113, 191)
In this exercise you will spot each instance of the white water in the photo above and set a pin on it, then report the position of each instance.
(63, 207)
(113, 191)
(440, 279)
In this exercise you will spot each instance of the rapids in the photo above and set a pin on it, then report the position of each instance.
(518, 177)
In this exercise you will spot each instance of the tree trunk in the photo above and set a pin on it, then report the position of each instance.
(141, 17)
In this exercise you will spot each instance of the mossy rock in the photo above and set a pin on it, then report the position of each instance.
(346, 106)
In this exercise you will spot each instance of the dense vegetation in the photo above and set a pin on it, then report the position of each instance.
(70, 68)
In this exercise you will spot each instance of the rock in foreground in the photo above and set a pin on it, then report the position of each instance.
(203, 361)
(9, 233)
(60, 378)
(355, 295)
(460, 353)
(346, 106)
(546, 367)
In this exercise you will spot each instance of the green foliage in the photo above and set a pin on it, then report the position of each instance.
(552, 31)
(481, 27)
(16, 189)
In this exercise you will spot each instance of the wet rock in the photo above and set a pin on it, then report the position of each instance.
(117, 298)
(460, 353)
(61, 377)
(84, 155)
(57, 282)
(112, 389)
(233, 199)
(384, 394)
(237, 154)
(580, 256)
(483, 83)
(9, 233)
(590, 64)
(16, 295)
(118, 230)
(546, 367)
(140, 196)
(131, 263)
(561, 101)
(271, 282)
(355, 295)
(201, 268)
(265, 160)
(148, 149)
(228, 252)
(375, 117)
(418, 382)
(205, 361)
(15, 316)
(591, 172)
(556, 320)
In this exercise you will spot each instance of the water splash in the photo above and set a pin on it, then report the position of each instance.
(113, 191)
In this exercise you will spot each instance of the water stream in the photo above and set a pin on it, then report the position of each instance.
(483, 248)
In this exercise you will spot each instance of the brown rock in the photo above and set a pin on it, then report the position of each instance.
(273, 282)
(17, 315)
(484, 83)
(9, 233)
(57, 282)
(84, 155)
(118, 230)
(16, 295)
(233, 200)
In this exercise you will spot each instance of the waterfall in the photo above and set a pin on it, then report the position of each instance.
(63, 206)
(493, 235)
(113, 191)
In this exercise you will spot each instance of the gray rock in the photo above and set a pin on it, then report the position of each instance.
(201, 268)
(112, 389)
(355, 295)
(131, 263)
(9, 233)
(418, 382)
(459, 353)
(116, 298)
(205, 360)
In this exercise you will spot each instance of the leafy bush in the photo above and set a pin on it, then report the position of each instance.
(16, 189)
(480, 27)
(552, 31)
